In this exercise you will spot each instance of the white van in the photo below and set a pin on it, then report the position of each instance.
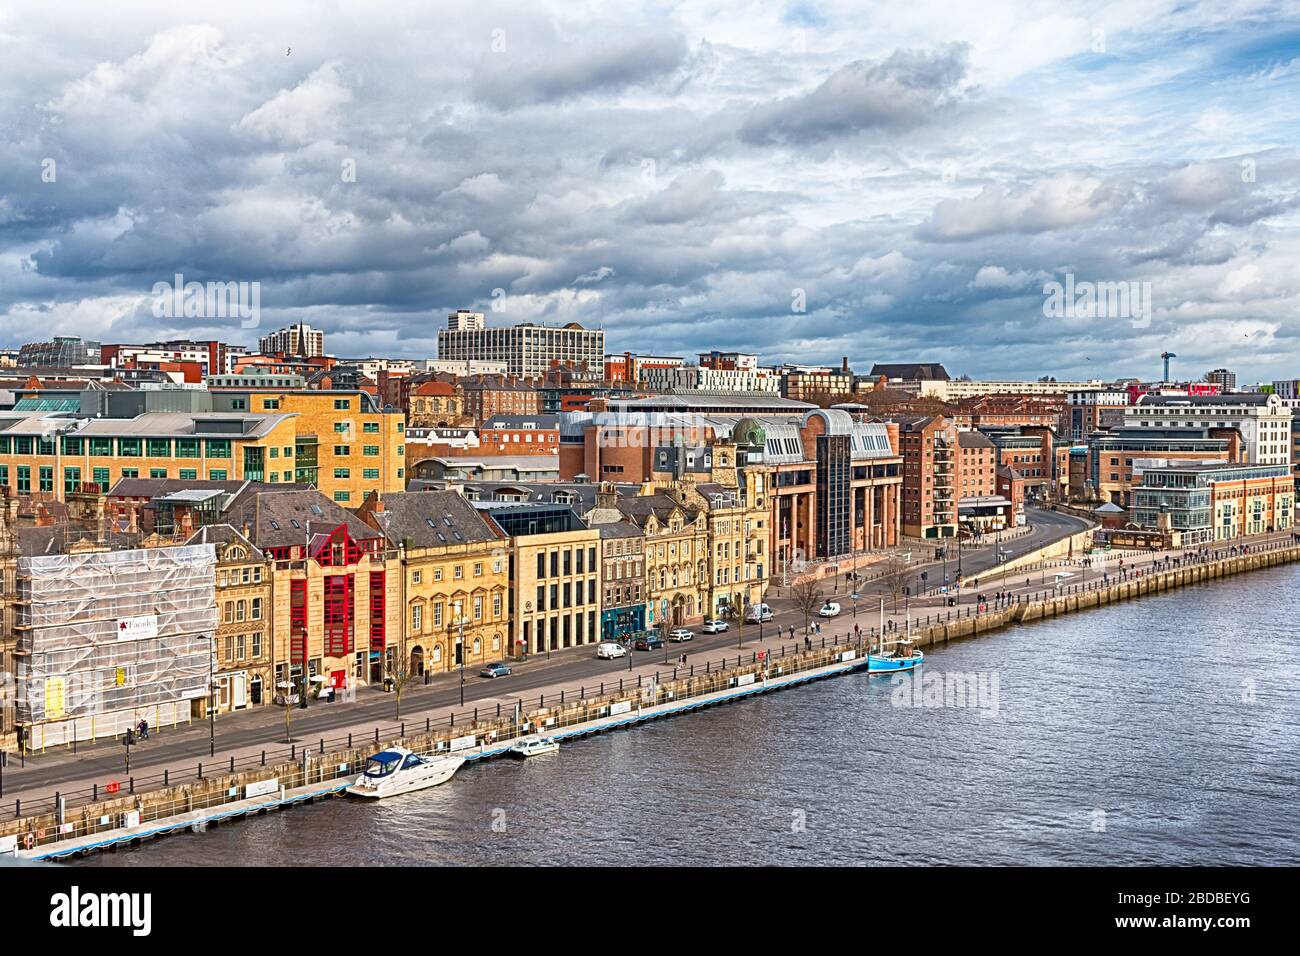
(758, 612)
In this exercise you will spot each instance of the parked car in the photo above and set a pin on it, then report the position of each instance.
(679, 634)
(829, 609)
(714, 627)
(609, 650)
(649, 642)
(495, 669)
(758, 612)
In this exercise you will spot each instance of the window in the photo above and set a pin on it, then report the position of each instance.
(257, 644)
(275, 451)
(342, 496)
(371, 474)
(256, 608)
(187, 474)
(219, 448)
(100, 477)
(343, 428)
(270, 404)
(157, 472)
(371, 450)
(458, 572)
(342, 404)
(214, 474)
(160, 447)
(496, 605)
(478, 607)
(478, 569)
(185, 447)
(71, 479)
(72, 446)
(437, 574)
(437, 614)
(417, 617)
(342, 451)
(370, 428)
(342, 473)
(128, 447)
(47, 478)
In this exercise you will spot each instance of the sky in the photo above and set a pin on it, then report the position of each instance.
(886, 182)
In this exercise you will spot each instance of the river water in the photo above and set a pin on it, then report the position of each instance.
(1158, 731)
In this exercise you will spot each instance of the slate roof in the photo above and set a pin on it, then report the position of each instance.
(281, 518)
(431, 518)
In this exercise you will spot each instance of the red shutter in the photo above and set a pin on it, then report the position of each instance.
(377, 597)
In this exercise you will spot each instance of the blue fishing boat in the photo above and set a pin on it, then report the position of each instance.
(894, 656)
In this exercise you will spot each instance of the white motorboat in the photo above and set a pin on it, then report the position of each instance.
(535, 744)
(398, 770)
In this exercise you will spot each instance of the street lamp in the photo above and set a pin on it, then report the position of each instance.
(460, 649)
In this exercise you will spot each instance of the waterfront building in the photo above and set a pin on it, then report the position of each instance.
(337, 589)
(1261, 420)
(299, 340)
(106, 637)
(456, 571)
(930, 452)
(622, 575)
(527, 349)
(243, 642)
(1215, 502)
(677, 555)
(555, 584)
(1117, 459)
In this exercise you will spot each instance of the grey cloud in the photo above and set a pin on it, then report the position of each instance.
(558, 72)
(900, 92)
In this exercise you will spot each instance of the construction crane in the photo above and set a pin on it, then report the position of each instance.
(1167, 356)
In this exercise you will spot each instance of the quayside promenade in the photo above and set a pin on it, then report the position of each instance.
(100, 808)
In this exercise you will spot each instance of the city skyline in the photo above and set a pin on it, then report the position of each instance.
(913, 178)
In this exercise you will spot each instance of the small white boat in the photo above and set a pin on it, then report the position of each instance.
(535, 744)
(398, 770)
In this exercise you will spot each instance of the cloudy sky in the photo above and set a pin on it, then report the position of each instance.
(687, 175)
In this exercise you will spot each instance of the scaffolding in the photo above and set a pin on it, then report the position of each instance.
(106, 638)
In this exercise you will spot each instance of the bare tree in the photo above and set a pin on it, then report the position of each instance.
(807, 598)
(893, 572)
(401, 673)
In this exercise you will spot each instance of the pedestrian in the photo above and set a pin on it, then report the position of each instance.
(144, 729)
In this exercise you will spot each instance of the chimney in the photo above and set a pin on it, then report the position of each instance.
(844, 363)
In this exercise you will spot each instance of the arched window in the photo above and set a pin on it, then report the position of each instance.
(437, 653)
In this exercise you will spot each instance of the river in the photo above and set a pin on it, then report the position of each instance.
(1159, 731)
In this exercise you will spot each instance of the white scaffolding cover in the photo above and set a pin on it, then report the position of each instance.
(105, 632)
